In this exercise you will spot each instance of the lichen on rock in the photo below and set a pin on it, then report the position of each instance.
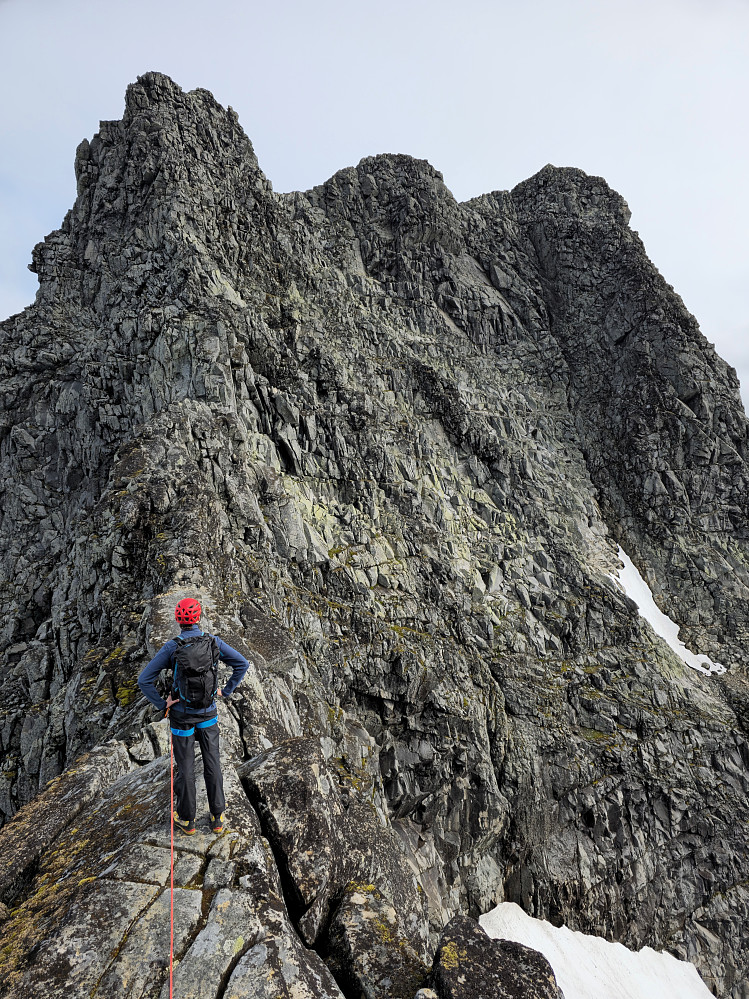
(393, 442)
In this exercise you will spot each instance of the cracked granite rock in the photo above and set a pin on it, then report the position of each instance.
(367, 950)
(326, 835)
(95, 919)
(392, 442)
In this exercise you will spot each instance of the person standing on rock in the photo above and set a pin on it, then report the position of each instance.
(193, 658)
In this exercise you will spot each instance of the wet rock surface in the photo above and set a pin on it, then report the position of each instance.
(391, 442)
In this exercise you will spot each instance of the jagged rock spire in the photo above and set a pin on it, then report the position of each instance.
(394, 442)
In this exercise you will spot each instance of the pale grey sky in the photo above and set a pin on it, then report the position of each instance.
(650, 94)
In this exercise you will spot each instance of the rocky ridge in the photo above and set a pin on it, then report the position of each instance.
(392, 442)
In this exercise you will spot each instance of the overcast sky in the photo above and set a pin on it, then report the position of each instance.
(650, 94)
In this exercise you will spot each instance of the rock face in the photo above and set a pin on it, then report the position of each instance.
(96, 920)
(391, 442)
(353, 891)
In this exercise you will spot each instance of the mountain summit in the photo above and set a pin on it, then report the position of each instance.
(393, 444)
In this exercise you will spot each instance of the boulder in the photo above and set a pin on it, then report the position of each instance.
(324, 839)
(470, 965)
(365, 948)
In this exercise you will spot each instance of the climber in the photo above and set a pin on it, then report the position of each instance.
(192, 658)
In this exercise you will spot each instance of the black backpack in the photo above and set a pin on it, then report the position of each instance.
(196, 670)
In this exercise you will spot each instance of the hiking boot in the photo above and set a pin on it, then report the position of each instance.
(217, 823)
(187, 826)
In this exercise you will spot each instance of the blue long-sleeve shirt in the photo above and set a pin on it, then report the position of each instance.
(164, 659)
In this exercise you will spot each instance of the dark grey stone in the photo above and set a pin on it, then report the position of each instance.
(391, 442)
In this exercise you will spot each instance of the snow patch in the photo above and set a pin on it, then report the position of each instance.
(588, 967)
(635, 587)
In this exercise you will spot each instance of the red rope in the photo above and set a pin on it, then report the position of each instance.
(171, 861)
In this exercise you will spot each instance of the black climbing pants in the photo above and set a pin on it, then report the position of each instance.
(185, 728)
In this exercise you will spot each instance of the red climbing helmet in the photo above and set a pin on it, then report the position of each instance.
(187, 611)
